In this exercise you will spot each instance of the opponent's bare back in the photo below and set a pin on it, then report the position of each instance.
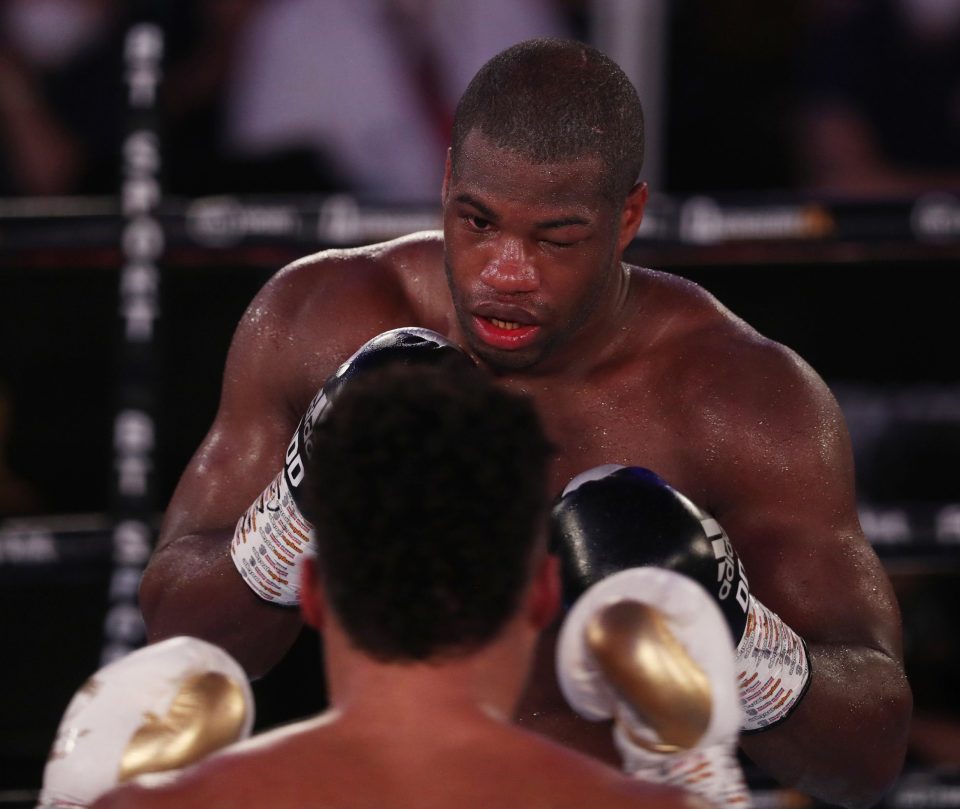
(473, 765)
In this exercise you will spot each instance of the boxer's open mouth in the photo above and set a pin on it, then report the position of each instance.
(505, 334)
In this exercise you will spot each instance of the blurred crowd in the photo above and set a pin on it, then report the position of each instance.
(304, 96)
(279, 96)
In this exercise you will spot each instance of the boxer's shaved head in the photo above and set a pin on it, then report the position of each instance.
(552, 101)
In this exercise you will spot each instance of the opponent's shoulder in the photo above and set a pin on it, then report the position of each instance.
(235, 776)
(566, 779)
(630, 792)
(614, 790)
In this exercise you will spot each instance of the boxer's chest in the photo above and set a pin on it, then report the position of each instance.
(594, 425)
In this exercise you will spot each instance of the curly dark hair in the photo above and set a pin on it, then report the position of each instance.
(553, 100)
(427, 489)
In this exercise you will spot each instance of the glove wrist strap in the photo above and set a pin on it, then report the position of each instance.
(269, 543)
(773, 668)
(712, 772)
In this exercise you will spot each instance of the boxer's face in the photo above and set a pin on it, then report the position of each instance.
(532, 254)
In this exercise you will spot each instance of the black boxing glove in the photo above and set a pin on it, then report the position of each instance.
(613, 518)
(272, 536)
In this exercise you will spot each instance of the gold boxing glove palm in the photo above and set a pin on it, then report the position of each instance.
(156, 710)
(649, 649)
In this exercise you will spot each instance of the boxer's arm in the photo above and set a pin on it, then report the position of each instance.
(292, 336)
(191, 585)
(785, 495)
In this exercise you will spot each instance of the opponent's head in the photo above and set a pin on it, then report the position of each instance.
(427, 489)
(540, 199)
(556, 101)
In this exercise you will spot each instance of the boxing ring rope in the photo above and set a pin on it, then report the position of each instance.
(268, 231)
(717, 226)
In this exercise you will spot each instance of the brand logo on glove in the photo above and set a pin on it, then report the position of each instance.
(728, 565)
(310, 419)
(293, 465)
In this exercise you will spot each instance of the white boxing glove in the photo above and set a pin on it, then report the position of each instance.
(613, 518)
(156, 710)
(649, 648)
(273, 537)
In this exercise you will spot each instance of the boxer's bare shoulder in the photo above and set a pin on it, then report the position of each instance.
(684, 330)
(304, 764)
(388, 274)
(757, 438)
(736, 392)
(319, 308)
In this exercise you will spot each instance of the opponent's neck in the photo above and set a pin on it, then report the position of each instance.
(487, 683)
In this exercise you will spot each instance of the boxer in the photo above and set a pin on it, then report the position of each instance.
(626, 365)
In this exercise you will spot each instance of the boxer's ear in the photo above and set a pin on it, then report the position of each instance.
(447, 172)
(313, 596)
(544, 600)
(632, 215)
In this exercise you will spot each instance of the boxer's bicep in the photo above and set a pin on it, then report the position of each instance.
(244, 447)
(190, 585)
(791, 511)
(796, 528)
(299, 327)
(820, 575)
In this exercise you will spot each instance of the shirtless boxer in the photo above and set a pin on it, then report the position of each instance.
(430, 603)
(627, 366)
